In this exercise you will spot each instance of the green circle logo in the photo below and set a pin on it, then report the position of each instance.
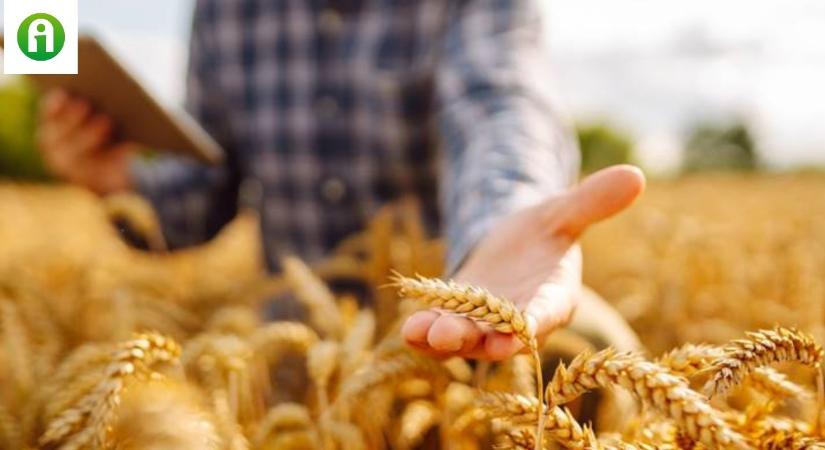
(41, 37)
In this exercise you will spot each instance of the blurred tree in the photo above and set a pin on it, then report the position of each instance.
(715, 147)
(602, 146)
(18, 108)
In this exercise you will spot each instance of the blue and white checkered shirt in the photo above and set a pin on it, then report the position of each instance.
(328, 109)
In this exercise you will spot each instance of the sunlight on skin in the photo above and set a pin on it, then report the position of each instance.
(532, 259)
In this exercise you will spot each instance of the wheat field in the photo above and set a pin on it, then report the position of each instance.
(106, 347)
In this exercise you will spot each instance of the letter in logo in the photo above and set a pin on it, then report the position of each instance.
(41, 37)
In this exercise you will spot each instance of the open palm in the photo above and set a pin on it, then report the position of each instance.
(531, 258)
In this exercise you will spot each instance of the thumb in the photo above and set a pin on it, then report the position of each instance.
(599, 196)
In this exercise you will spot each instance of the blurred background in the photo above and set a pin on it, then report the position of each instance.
(670, 85)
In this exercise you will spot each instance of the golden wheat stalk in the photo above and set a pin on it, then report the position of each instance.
(276, 337)
(357, 341)
(164, 415)
(760, 349)
(10, 430)
(315, 295)
(470, 301)
(790, 441)
(690, 359)
(227, 424)
(392, 369)
(87, 421)
(479, 304)
(322, 360)
(653, 385)
(416, 420)
(776, 385)
(520, 410)
(279, 419)
(521, 437)
(18, 349)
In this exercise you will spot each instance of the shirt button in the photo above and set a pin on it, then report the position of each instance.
(330, 21)
(327, 107)
(333, 189)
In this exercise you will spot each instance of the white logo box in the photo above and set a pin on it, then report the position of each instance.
(15, 12)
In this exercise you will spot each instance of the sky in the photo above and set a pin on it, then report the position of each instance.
(651, 67)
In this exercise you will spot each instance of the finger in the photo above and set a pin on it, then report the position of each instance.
(417, 326)
(108, 171)
(53, 103)
(598, 197)
(451, 333)
(551, 308)
(73, 115)
(92, 135)
(500, 346)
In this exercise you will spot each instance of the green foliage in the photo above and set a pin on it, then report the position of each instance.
(720, 147)
(18, 108)
(602, 146)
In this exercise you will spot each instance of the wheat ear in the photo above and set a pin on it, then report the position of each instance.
(521, 410)
(470, 301)
(417, 418)
(479, 304)
(690, 359)
(86, 423)
(790, 441)
(516, 437)
(653, 385)
(274, 339)
(279, 419)
(163, 415)
(759, 349)
(399, 366)
(314, 293)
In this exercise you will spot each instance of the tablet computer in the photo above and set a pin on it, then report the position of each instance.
(136, 114)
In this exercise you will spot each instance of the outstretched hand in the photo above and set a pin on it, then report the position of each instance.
(531, 258)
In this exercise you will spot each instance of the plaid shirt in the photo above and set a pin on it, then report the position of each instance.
(329, 108)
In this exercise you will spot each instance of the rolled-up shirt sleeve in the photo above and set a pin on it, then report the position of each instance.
(506, 146)
(194, 201)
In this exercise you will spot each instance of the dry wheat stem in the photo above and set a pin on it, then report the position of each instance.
(759, 349)
(653, 385)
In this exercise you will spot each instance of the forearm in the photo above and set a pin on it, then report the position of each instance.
(504, 166)
(506, 145)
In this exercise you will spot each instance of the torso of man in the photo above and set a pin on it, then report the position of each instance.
(328, 108)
